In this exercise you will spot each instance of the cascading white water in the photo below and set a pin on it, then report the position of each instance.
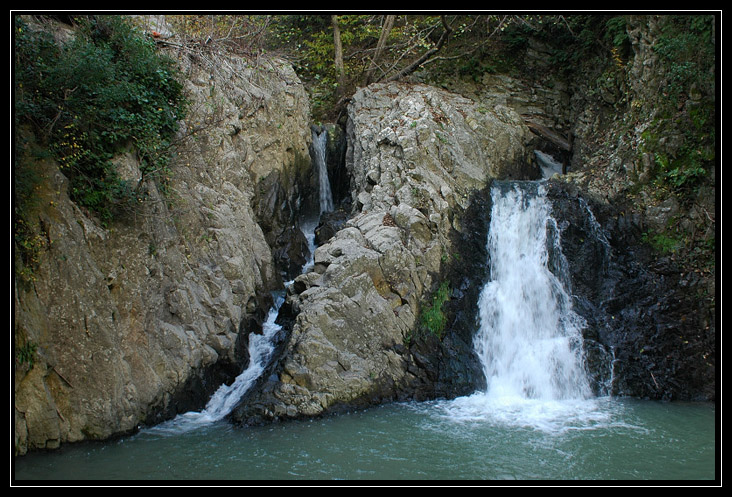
(549, 165)
(320, 141)
(226, 397)
(530, 340)
(261, 346)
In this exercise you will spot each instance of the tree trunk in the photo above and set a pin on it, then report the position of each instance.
(340, 71)
(385, 30)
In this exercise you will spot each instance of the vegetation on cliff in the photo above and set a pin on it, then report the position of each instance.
(87, 99)
(83, 102)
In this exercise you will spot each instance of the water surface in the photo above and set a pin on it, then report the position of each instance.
(603, 439)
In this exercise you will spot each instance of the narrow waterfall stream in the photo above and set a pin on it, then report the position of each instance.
(320, 148)
(260, 349)
(261, 346)
(226, 397)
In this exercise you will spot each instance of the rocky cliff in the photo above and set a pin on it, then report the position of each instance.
(417, 156)
(139, 320)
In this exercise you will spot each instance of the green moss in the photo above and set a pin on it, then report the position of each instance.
(662, 242)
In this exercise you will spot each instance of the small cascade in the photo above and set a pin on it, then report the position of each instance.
(549, 165)
(261, 346)
(223, 401)
(320, 143)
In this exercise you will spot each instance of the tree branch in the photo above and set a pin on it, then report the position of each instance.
(429, 53)
(385, 30)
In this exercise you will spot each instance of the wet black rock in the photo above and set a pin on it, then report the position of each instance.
(642, 310)
(330, 223)
(290, 251)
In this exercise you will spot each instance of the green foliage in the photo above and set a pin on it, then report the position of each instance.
(662, 242)
(88, 99)
(687, 49)
(309, 39)
(572, 40)
(616, 32)
(28, 181)
(684, 171)
(685, 107)
(432, 317)
(310, 44)
(27, 354)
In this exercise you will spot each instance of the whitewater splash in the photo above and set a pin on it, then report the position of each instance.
(530, 340)
(549, 165)
(223, 401)
(320, 142)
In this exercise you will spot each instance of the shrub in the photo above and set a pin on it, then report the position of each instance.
(433, 318)
(686, 48)
(88, 99)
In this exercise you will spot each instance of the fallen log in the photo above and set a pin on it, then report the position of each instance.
(549, 135)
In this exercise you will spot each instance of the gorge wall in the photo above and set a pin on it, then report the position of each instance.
(135, 322)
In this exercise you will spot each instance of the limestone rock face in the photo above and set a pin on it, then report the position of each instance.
(416, 155)
(134, 322)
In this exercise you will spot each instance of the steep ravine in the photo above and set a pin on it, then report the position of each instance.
(139, 321)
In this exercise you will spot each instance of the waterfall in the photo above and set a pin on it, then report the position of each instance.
(549, 165)
(261, 346)
(320, 141)
(529, 340)
(223, 401)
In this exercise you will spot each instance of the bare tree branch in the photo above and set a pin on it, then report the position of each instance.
(429, 53)
(385, 30)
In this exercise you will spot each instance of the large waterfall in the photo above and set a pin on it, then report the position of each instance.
(530, 339)
(320, 142)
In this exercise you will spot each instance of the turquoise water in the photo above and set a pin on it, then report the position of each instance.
(463, 439)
